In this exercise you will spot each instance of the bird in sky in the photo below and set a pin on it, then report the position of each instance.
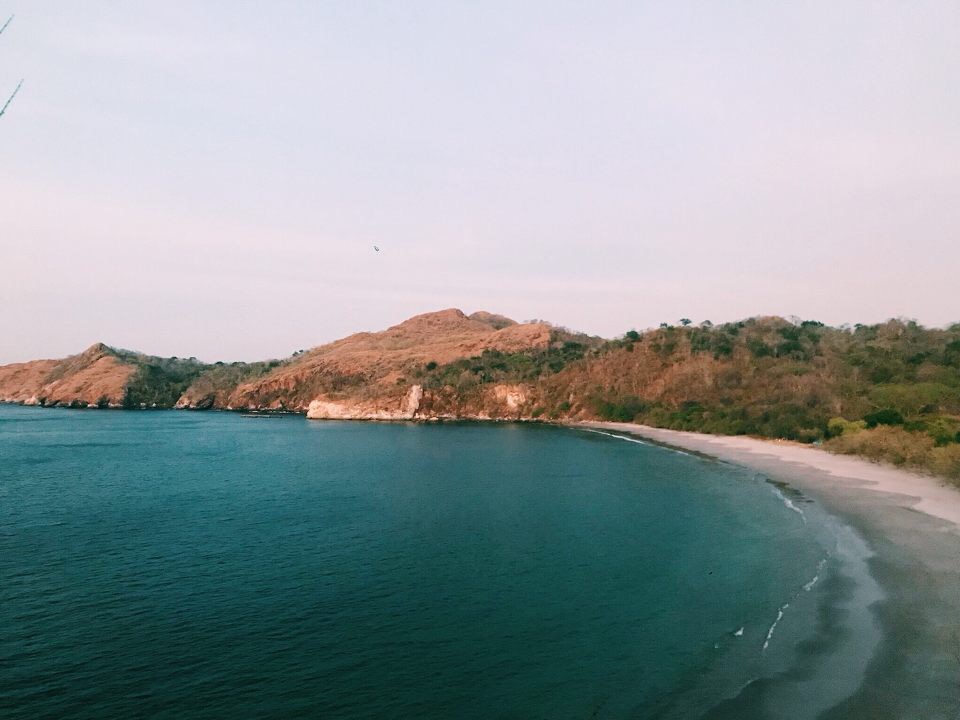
(376, 248)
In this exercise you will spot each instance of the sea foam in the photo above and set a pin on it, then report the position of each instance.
(639, 442)
(780, 611)
(788, 503)
(809, 586)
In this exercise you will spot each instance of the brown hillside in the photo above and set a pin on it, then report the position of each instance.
(95, 376)
(665, 368)
(374, 368)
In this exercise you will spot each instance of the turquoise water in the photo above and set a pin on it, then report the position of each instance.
(199, 565)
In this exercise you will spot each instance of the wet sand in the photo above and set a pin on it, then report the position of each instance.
(910, 526)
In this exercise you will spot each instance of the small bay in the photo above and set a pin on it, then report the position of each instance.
(189, 564)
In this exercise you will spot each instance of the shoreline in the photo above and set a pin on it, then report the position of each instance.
(910, 525)
(925, 493)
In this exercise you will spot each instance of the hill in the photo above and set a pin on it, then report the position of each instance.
(889, 391)
(371, 375)
(101, 376)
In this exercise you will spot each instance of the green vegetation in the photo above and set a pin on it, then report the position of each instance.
(160, 382)
(494, 366)
(889, 391)
(220, 379)
(157, 381)
(624, 410)
(886, 416)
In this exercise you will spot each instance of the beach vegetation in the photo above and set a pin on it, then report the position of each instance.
(901, 447)
(626, 409)
(838, 426)
(945, 461)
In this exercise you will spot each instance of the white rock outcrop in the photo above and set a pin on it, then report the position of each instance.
(513, 396)
(321, 409)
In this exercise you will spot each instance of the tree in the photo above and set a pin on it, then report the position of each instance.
(886, 416)
(632, 335)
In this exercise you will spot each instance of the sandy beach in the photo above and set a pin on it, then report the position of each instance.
(911, 526)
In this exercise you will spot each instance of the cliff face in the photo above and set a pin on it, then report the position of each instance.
(492, 402)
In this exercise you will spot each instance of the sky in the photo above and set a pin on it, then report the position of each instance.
(210, 179)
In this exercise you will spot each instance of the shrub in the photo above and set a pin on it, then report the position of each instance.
(701, 340)
(887, 443)
(759, 348)
(723, 347)
(945, 461)
(942, 430)
(623, 411)
(886, 416)
(841, 426)
(791, 348)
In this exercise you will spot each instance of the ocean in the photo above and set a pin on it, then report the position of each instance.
(174, 564)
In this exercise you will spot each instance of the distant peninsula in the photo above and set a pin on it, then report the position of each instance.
(889, 391)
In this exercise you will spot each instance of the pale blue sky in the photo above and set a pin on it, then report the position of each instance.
(209, 178)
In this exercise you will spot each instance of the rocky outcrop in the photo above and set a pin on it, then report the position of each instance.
(405, 409)
(513, 397)
(411, 403)
(497, 402)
